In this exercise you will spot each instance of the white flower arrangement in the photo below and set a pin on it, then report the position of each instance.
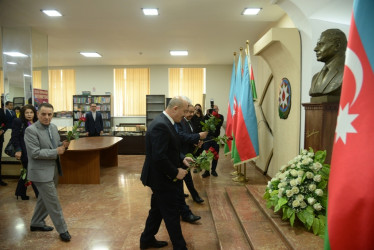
(299, 190)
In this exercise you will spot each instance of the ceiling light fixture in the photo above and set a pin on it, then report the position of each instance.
(26, 75)
(251, 11)
(12, 63)
(15, 54)
(179, 52)
(150, 12)
(90, 54)
(52, 13)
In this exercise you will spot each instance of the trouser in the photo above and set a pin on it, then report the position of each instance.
(190, 186)
(21, 188)
(164, 206)
(215, 145)
(48, 204)
(183, 208)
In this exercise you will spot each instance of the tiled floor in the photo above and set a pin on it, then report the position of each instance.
(111, 215)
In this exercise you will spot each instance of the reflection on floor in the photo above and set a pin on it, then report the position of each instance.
(112, 215)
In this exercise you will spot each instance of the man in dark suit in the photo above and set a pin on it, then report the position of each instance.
(163, 174)
(2, 131)
(94, 122)
(212, 143)
(189, 141)
(9, 114)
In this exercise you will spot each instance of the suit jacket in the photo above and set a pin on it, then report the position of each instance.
(94, 126)
(42, 156)
(162, 155)
(9, 117)
(18, 141)
(188, 138)
(3, 124)
(331, 83)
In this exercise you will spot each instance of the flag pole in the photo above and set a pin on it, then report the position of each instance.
(236, 172)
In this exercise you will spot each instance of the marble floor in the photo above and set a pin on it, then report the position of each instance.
(111, 215)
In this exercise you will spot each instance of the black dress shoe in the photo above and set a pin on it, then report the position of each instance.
(214, 173)
(3, 183)
(186, 195)
(205, 174)
(198, 199)
(153, 244)
(191, 218)
(44, 228)
(65, 236)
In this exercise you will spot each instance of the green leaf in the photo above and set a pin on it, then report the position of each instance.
(301, 216)
(292, 219)
(309, 217)
(280, 203)
(315, 226)
(269, 204)
(266, 195)
(290, 212)
(285, 209)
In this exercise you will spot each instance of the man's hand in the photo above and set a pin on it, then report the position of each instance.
(18, 155)
(66, 143)
(1, 132)
(203, 135)
(187, 161)
(86, 133)
(61, 150)
(101, 132)
(181, 173)
(200, 144)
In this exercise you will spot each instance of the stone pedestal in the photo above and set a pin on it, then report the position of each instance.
(320, 125)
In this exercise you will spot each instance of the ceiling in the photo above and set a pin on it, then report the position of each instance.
(211, 30)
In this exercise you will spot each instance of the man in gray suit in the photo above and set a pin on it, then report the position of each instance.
(43, 149)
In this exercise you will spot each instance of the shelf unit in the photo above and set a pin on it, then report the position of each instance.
(81, 105)
(155, 104)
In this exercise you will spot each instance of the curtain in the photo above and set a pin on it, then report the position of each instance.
(131, 86)
(61, 89)
(37, 79)
(119, 91)
(188, 82)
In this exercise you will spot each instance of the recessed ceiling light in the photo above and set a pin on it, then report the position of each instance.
(251, 11)
(51, 12)
(179, 52)
(150, 12)
(15, 54)
(90, 54)
(12, 63)
(26, 75)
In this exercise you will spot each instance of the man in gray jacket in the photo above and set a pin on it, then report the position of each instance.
(43, 149)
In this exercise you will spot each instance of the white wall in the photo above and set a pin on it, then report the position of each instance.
(99, 79)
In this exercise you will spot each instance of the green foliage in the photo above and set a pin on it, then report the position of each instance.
(299, 190)
(210, 124)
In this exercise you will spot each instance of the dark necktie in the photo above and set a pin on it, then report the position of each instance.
(190, 124)
(176, 127)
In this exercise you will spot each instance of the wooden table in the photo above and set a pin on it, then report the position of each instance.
(81, 162)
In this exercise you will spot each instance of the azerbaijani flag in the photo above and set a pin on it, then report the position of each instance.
(253, 85)
(228, 131)
(246, 134)
(237, 91)
(350, 210)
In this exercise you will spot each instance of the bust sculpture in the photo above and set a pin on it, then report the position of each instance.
(330, 49)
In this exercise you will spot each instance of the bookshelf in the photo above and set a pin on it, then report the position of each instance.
(81, 105)
(155, 104)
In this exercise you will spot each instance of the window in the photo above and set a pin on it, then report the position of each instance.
(131, 85)
(189, 82)
(61, 89)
